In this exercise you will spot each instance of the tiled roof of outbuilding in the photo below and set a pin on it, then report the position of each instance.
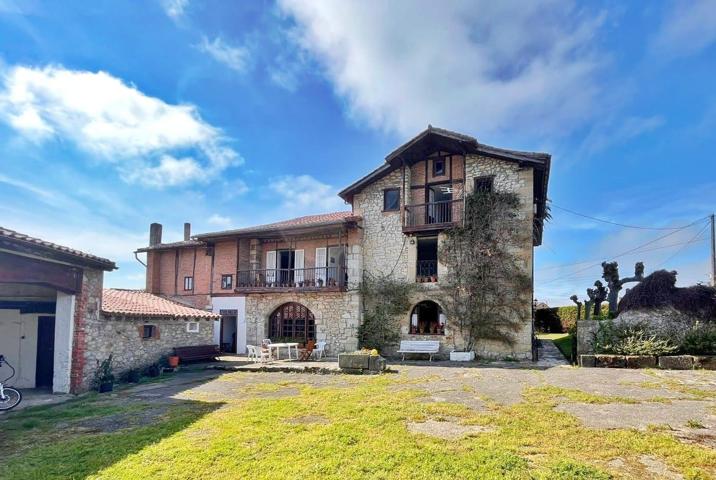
(37, 245)
(138, 303)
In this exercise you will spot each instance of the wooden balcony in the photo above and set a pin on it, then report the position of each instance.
(321, 279)
(432, 216)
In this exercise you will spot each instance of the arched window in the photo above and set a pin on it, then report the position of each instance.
(292, 322)
(427, 318)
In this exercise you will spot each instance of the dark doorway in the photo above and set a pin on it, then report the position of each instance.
(228, 330)
(427, 263)
(45, 352)
(286, 264)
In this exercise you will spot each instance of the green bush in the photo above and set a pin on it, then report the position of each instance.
(700, 340)
(568, 315)
(624, 339)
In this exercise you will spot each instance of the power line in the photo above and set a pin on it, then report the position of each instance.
(624, 253)
(564, 265)
(552, 204)
(700, 232)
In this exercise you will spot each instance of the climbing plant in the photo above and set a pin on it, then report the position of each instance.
(487, 286)
(385, 298)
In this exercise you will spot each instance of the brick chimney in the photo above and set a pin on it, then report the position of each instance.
(155, 234)
(187, 231)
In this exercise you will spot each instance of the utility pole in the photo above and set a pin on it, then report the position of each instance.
(713, 251)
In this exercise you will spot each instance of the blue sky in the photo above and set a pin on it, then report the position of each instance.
(227, 114)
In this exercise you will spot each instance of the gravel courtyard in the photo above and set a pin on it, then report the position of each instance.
(425, 421)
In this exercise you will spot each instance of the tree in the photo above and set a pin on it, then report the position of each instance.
(610, 273)
(487, 286)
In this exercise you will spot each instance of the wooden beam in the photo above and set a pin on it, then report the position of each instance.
(17, 269)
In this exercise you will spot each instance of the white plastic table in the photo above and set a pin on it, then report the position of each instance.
(287, 346)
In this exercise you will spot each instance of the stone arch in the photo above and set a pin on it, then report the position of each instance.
(427, 317)
(292, 321)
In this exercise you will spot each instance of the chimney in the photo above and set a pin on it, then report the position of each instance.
(155, 234)
(187, 231)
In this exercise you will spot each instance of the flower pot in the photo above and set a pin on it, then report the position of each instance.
(106, 387)
(173, 361)
(462, 356)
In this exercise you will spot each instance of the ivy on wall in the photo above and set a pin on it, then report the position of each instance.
(385, 299)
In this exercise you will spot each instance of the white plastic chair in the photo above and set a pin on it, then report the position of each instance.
(320, 350)
(266, 341)
(265, 354)
(252, 353)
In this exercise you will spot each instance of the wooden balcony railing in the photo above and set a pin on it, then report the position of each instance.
(312, 279)
(433, 216)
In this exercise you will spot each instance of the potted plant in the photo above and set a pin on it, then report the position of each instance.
(104, 378)
(173, 361)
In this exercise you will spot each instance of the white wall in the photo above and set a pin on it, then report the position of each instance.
(64, 327)
(232, 303)
(18, 343)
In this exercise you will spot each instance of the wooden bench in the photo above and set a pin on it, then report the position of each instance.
(429, 347)
(197, 352)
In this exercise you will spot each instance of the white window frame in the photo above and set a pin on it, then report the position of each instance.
(192, 327)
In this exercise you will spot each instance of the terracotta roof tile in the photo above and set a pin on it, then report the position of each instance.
(17, 237)
(306, 221)
(138, 303)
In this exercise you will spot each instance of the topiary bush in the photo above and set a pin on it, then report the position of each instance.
(630, 339)
(700, 340)
(659, 290)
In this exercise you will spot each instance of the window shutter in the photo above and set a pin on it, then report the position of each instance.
(321, 264)
(156, 332)
(140, 329)
(271, 266)
(298, 265)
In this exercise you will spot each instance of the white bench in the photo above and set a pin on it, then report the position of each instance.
(429, 347)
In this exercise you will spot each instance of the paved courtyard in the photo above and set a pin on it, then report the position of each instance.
(451, 406)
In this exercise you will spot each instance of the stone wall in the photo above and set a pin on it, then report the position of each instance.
(122, 337)
(386, 249)
(384, 245)
(88, 302)
(336, 315)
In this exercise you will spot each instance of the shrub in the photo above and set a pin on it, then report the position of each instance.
(133, 375)
(385, 300)
(547, 321)
(700, 340)
(568, 315)
(659, 290)
(625, 339)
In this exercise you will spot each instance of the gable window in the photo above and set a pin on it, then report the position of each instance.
(438, 167)
(149, 331)
(188, 283)
(192, 327)
(227, 282)
(483, 184)
(391, 200)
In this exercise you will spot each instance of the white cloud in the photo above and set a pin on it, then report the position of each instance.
(174, 8)
(688, 28)
(219, 220)
(235, 57)
(114, 122)
(480, 66)
(305, 194)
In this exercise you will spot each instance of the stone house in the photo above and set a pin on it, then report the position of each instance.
(56, 321)
(298, 279)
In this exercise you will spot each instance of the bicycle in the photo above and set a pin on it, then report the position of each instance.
(9, 397)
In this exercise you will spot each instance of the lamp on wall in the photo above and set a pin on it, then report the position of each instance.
(442, 319)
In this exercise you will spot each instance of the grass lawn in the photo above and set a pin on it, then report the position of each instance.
(294, 430)
(563, 341)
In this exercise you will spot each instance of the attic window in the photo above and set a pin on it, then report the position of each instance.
(188, 283)
(438, 167)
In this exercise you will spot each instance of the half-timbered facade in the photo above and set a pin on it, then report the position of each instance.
(299, 279)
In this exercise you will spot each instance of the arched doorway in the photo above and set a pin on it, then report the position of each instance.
(292, 322)
(427, 318)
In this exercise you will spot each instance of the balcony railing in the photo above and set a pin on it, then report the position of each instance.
(434, 215)
(426, 271)
(321, 278)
